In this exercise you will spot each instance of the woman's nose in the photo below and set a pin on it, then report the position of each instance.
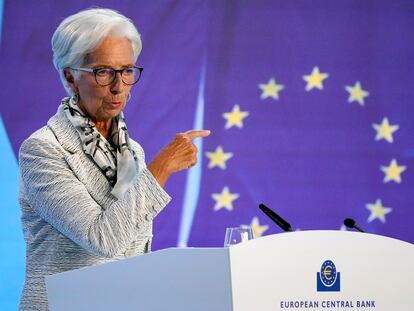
(117, 86)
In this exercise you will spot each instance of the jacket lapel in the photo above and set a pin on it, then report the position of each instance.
(81, 164)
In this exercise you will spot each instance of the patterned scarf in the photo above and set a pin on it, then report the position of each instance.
(117, 160)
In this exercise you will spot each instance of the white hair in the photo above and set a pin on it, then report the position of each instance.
(81, 33)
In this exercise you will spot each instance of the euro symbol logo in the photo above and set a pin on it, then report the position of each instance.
(327, 273)
(328, 279)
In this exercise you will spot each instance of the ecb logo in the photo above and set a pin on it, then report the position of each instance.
(328, 279)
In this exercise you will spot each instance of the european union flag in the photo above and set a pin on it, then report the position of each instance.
(310, 104)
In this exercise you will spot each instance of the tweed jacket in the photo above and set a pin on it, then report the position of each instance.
(69, 217)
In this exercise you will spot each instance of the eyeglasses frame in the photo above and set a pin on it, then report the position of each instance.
(95, 70)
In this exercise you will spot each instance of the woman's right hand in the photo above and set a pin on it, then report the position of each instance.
(179, 154)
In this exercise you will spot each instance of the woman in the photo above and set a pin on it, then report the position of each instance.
(86, 194)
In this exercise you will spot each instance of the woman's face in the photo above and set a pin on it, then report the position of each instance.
(102, 103)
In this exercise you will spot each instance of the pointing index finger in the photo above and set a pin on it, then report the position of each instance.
(192, 134)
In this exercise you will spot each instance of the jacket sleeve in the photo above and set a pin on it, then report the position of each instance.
(55, 193)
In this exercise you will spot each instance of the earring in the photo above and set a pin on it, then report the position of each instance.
(128, 97)
(75, 98)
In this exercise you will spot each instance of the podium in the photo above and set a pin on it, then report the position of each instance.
(307, 270)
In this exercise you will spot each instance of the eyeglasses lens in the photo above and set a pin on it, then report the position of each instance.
(106, 76)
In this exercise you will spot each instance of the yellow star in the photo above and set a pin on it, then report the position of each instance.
(218, 158)
(224, 199)
(271, 89)
(314, 80)
(385, 130)
(393, 171)
(356, 93)
(377, 211)
(235, 117)
(257, 229)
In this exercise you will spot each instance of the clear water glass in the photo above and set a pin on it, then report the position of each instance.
(237, 235)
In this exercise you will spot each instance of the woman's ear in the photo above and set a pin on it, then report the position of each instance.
(70, 80)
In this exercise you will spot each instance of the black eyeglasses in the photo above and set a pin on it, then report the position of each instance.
(106, 76)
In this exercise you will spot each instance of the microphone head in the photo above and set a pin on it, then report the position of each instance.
(349, 222)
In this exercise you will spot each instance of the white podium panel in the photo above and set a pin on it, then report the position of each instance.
(171, 279)
(308, 270)
(375, 272)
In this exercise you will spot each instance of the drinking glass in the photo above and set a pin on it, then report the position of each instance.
(237, 235)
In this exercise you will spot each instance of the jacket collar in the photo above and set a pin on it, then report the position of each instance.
(64, 131)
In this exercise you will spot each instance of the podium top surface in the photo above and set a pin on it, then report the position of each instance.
(337, 235)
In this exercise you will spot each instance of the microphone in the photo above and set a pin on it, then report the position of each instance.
(276, 218)
(350, 223)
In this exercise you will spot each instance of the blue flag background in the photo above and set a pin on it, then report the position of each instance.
(310, 104)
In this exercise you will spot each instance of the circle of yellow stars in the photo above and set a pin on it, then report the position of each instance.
(272, 90)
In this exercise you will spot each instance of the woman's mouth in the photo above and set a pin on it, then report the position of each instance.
(116, 104)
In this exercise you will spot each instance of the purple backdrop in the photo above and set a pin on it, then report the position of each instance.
(310, 155)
